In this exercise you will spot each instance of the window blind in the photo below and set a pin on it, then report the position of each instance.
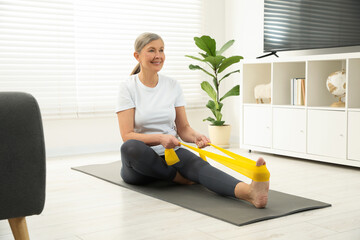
(72, 54)
(37, 52)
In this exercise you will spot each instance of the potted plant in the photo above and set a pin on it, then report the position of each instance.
(219, 132)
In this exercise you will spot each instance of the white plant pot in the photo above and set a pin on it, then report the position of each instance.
(220, 135)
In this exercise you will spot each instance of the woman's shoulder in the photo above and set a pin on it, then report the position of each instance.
(127, 85)
(128, 81)
(166, 77)
(169, 80)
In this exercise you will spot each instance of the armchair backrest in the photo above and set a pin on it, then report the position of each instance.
(22, 156)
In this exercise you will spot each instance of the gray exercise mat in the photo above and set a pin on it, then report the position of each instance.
(199, 199)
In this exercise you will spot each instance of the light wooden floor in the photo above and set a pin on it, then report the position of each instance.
(79, 206)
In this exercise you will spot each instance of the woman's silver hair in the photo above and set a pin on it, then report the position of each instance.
(141, 41)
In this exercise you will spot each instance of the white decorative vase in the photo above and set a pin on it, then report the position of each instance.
(220, 135)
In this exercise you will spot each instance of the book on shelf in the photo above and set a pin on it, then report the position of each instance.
(297, 91)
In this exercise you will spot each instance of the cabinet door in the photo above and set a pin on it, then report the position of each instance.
(289, 129)
(354, 136)
(257, 125)
(326, 133)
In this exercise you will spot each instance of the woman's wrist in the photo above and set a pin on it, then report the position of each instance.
(160, 139)
(197, 137)
(202, 141)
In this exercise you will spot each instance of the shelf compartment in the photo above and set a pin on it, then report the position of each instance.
(317, 74)
(283, 72)
(254, 74)
(353, 86)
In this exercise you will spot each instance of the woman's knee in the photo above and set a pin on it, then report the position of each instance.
(132, 147)
(190, 159)
(137, 154)
(190, 164)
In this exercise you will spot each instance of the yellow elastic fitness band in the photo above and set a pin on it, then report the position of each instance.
(240, 164)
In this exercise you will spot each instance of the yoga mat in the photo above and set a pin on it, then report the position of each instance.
(199, 199)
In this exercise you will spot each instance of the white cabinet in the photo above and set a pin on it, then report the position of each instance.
(257, 125)
(354, 136)
(289, 129)
(314, 130)
(327, 133)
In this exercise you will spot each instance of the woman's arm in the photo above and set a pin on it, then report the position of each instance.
(126, 123)
(185, 132)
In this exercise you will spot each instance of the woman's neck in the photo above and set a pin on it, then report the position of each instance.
(148, 79)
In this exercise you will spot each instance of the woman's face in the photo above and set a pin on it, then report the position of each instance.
(152, 56)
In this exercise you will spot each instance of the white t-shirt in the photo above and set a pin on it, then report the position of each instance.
(154, 107)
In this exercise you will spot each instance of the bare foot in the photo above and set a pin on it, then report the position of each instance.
(256, 192)
(181, 180)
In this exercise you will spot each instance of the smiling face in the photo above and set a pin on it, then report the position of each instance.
(152, 56)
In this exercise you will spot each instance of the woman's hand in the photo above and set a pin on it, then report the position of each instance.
(202, 141)
(169, 141)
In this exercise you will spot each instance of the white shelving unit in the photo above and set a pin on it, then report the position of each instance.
(314, 131)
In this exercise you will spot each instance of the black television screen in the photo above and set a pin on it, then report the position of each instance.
(310, 24)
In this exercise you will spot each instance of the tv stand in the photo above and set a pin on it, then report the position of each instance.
(269, 54)
(314, 130)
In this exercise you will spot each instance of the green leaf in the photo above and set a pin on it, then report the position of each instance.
(228, 62)
(218, 115)
(214, 107)
(207, 44)
(225, 47)
(196, 67)
(228, 74)
(203, 55)
(235, 91)
(211, 43)
(214, 61)
(196, 58)
(211, 105)
(209, 90)
(214, 122)
(218, 123)
(210, 120)
(202, 45)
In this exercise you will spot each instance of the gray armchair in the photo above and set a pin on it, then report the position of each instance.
(22, 160)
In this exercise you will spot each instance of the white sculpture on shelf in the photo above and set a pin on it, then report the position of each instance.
(336, 84)
(262, 92)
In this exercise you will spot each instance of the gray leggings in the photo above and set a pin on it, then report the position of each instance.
(141, 165)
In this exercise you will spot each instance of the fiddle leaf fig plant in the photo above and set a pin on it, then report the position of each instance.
(216, 65)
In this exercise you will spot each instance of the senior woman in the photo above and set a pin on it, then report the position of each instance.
(152, 117)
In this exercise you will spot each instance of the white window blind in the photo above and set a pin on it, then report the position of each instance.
(72, 54)
(37, 52)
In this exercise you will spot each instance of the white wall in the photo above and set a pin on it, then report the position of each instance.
(77, 136)
(244, 24)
